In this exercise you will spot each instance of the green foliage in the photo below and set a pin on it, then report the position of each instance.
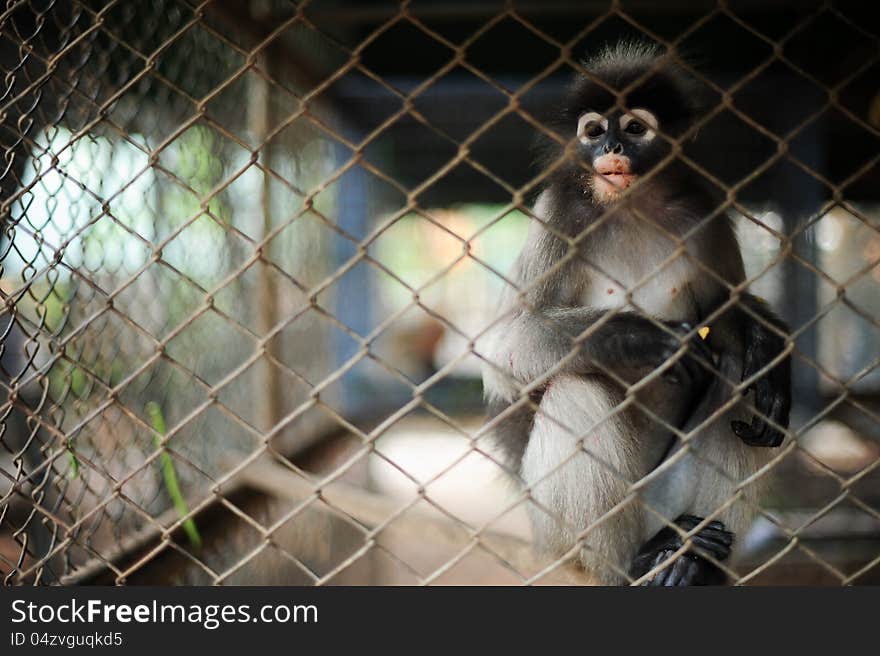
(169, 474)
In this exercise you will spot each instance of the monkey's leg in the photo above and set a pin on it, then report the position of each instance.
(707, 481)
(579, 464)
(689, 568)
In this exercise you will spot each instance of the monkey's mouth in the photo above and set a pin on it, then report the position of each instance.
(613, 174)
(620, 180)
(619, 176)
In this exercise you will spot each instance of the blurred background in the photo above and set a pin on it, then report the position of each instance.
(247, 246)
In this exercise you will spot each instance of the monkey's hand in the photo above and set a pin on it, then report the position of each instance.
(639, 342)
(689, 568)
(696, 358)
(772, 390)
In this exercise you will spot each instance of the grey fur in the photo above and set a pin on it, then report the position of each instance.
(582, 454)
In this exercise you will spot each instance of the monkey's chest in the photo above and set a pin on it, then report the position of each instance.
(646, 283)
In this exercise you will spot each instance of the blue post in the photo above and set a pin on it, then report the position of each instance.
(354, 291)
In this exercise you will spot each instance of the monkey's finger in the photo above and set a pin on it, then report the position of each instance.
(686, 369)
(659, 581)
(744, 432)
(689, 522)
(660, 578)
(774, 437)
(770, 406)
(713, 537)
(718, 536)
(678, 572)
(717, 550)
(781, 406)
(763, 401)
(677, 372)
(752, 434)
(696, 345)
(700, 348)
(714, 547)
(699, 361)
(759, 422)
(773, 400)
(692, 574)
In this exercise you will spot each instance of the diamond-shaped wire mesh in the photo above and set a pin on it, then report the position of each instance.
(252, 251)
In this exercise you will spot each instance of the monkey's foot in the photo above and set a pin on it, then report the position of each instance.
(689, 568)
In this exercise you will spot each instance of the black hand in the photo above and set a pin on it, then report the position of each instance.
(772, 391)
(690, 568)
(628, 341)
(693, 364)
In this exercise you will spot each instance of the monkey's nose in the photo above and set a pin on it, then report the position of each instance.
(616, 148)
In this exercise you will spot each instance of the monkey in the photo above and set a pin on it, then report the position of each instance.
(598, 371)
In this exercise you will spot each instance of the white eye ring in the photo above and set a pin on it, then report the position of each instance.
(590, 117)
(644, 116)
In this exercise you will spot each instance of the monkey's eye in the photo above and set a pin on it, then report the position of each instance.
(591, 126)
(639, 123)
(634, 127)
(594, 130)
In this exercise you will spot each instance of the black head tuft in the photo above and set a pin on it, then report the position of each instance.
(633, 74)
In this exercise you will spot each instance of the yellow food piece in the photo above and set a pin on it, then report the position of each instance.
(703, 332)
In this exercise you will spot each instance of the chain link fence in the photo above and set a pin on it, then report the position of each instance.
(249, 250)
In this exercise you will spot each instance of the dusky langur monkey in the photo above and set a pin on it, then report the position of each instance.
(626, 262)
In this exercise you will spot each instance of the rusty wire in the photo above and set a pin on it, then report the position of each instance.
(94, 339)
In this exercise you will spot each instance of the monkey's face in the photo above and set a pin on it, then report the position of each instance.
(619, 148)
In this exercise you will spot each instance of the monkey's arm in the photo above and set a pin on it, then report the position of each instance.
(528, 345)
(585, 340)
(761, 341)
(764, 340)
